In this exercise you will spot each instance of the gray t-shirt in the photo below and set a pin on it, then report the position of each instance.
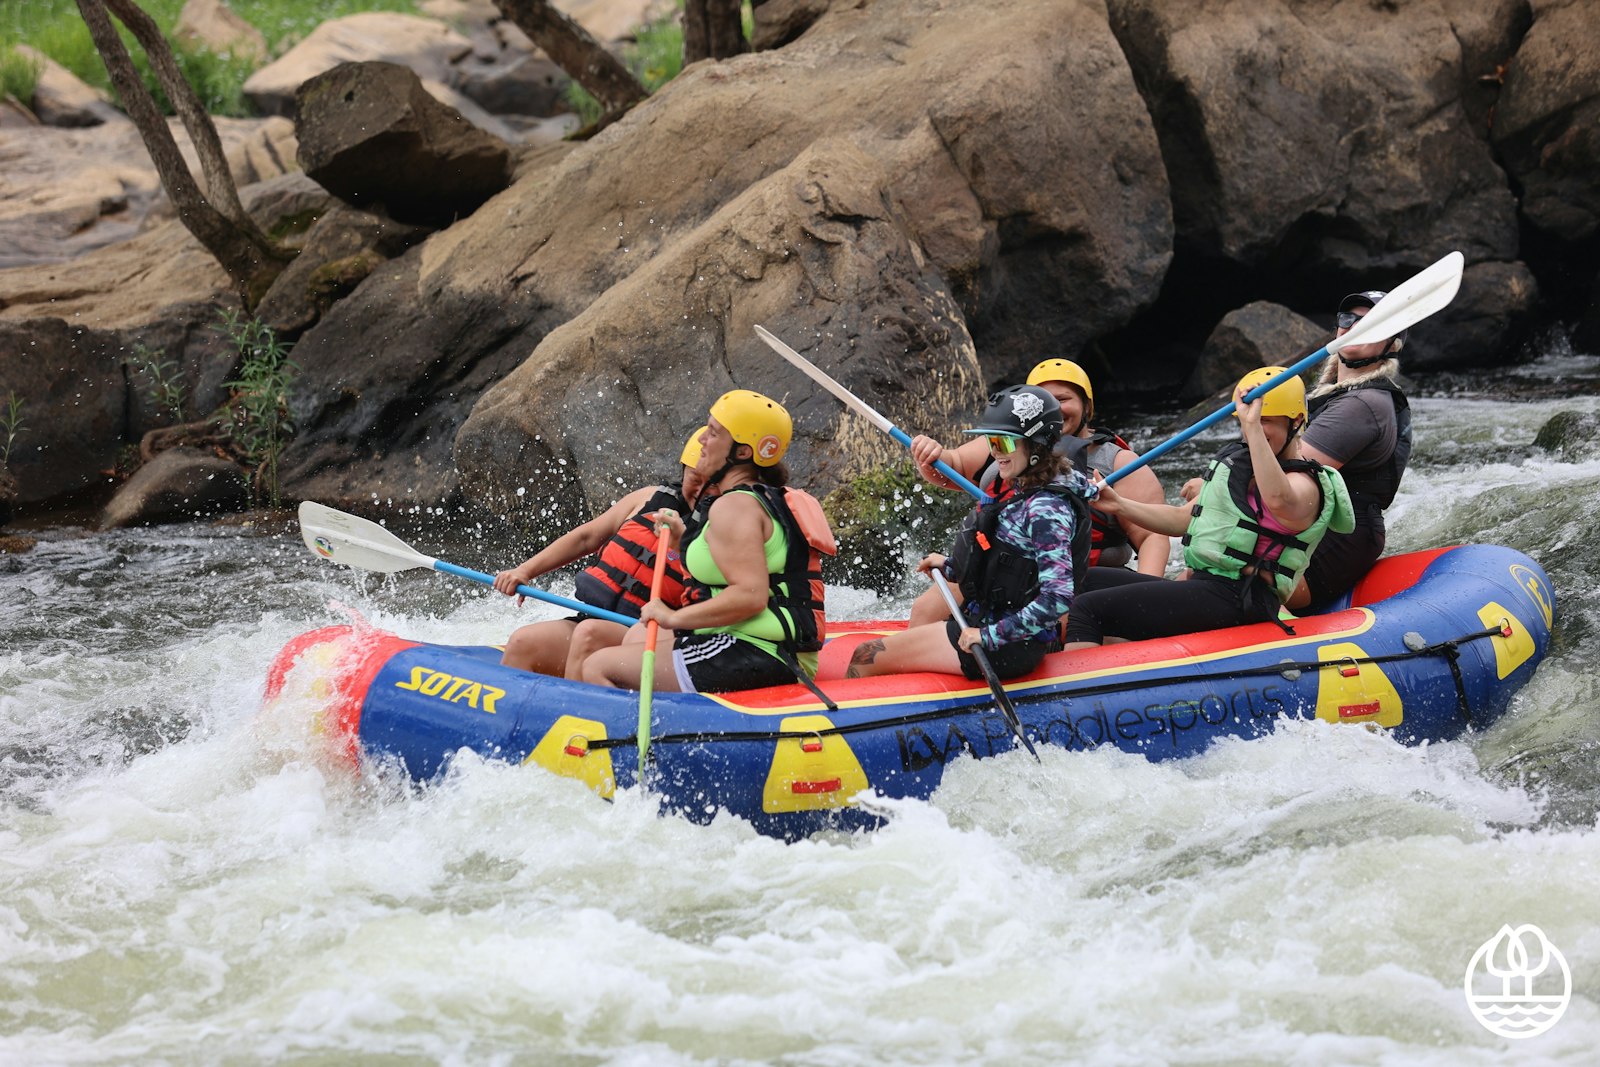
(1357, 428)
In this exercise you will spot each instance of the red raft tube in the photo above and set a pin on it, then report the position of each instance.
(1433, 644)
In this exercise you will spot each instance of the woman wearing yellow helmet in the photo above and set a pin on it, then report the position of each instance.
(754, 612)
(618, 580)
(1114, 540)
(1260, 512)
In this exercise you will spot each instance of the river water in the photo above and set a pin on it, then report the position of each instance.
(184, 881)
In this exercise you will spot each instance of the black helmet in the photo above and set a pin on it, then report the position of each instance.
(1025, 411)
(1369, 299)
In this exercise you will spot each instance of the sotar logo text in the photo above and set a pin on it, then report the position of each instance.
(1511, 983)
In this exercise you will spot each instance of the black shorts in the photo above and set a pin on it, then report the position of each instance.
(721, 663)
(1009, 661)
(1342, 560)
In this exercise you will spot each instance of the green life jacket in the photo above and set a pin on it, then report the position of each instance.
(793, 625)
(1226, 527)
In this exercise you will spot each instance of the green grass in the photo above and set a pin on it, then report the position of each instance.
(55, 28)
(18, 75)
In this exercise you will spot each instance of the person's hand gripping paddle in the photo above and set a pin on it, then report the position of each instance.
(1001, 697)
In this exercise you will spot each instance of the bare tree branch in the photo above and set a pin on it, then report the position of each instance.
(226, 231)
(571, 48)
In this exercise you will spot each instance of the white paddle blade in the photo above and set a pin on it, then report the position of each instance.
(1417, 298)
(822, 378)
(355, 542)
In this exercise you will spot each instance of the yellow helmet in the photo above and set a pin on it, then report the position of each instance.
(1288, 398)
(691, 449)
(1062, 370)
(755, 420)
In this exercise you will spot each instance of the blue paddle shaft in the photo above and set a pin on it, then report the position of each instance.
(537, 594)
(941, 466)
(1217, 416)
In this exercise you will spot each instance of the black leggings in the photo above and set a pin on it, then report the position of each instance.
(1136, 606)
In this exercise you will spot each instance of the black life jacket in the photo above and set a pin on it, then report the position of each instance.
(1108, 542)
(1375, 487)
(619, 578)
(998, 578)
(795, 594)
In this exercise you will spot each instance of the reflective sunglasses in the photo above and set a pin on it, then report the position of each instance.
(1003, 445)
(1347, 319)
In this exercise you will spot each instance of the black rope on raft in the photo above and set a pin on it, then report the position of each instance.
(1449, 649)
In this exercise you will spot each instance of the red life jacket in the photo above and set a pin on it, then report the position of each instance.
(619, 579)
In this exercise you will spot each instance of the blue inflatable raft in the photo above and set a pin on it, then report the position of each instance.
(1435, 643)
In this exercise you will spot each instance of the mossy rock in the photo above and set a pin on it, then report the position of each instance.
(885, 519)
(1571, 433)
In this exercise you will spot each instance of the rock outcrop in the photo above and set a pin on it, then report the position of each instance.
(1260, 334)
(178, 485)
(372, 136)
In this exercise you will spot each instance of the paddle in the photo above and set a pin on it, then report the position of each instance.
(356, 542)
(1414, 300)
(647, 665)
(861, 407)
(1001, 697)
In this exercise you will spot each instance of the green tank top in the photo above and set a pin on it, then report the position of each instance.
(763, 630)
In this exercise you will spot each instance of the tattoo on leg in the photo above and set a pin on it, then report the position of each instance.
(866, 652)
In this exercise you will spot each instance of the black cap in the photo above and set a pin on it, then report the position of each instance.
(1367, 299)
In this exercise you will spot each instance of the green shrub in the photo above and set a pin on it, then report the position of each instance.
(260, 405)
(18, 74)
(10, 426)
(163, 383)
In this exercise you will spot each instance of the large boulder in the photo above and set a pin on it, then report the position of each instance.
(1335, 133)
(61, 98)
(371, 135)
(1547, 122)
(1260, 334)
(427, 46)
(214, 26)
(178, 485)
(817, 247)
(1487, 324)
(1050, 225)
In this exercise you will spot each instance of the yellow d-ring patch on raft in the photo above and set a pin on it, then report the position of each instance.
(1512, 649)
(1349, 691)
(566, 750)
(813, 772)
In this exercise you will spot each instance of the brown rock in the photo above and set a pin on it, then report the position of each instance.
(178, 485)
(1486, 324)
(1336, 130)
(61, 98)
(777, 22)
(372, 136)
(427, 46)
(1260, 334)
(1547, 123)
(338, 252)
(213, 25)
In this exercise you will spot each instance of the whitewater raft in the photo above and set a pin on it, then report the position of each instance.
(1433, 644)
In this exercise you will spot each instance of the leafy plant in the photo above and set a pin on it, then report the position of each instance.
(19, 74)
(10, 425)
(261, 424)
(655, 57)
(166, 386)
